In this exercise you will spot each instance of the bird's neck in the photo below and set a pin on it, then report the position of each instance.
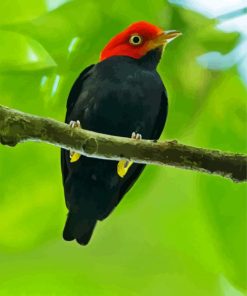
(149, 62)
(152, 58)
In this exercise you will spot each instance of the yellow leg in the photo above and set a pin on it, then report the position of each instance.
(124, 165)
(73, 155)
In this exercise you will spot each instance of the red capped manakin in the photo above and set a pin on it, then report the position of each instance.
(121, 95)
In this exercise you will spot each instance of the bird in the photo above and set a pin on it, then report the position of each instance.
(120, 95)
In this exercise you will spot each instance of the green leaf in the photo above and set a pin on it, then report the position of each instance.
(213, 40)
(21, 53)
(16, 11)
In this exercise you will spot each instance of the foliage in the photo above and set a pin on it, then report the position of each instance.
(176, 232)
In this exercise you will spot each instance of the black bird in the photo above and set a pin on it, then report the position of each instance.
(122, 95)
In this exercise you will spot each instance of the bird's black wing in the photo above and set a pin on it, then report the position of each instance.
(76, 88)
(73, 95)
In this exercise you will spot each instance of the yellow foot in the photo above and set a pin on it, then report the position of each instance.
(73, 155)
(124, 165)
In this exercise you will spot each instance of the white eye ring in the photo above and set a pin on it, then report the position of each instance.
(135, 40)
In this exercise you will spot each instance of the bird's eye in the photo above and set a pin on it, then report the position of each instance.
(135, 40)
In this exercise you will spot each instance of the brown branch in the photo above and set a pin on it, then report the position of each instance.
(16, 127)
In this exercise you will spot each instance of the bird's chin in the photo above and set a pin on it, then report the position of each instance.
(160, 49)
(152, 57)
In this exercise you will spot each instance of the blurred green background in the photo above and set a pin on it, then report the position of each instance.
(177, 232)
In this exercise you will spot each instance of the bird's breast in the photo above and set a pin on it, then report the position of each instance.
(121, 99)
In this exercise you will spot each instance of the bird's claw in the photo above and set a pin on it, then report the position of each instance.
(136, 136)
(75, 124)
(124, 165)
(74, 156)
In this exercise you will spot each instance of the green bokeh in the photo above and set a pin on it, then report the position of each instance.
(177, 232)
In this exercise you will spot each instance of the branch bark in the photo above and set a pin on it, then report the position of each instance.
(17, 127)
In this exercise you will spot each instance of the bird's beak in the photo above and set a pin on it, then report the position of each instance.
(163, 38)
(171, 35)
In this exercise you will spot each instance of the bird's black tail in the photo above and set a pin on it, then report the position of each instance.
(79, 228)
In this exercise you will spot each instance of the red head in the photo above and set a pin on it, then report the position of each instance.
(137, 40)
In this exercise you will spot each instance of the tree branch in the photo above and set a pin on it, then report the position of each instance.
(17, 127)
